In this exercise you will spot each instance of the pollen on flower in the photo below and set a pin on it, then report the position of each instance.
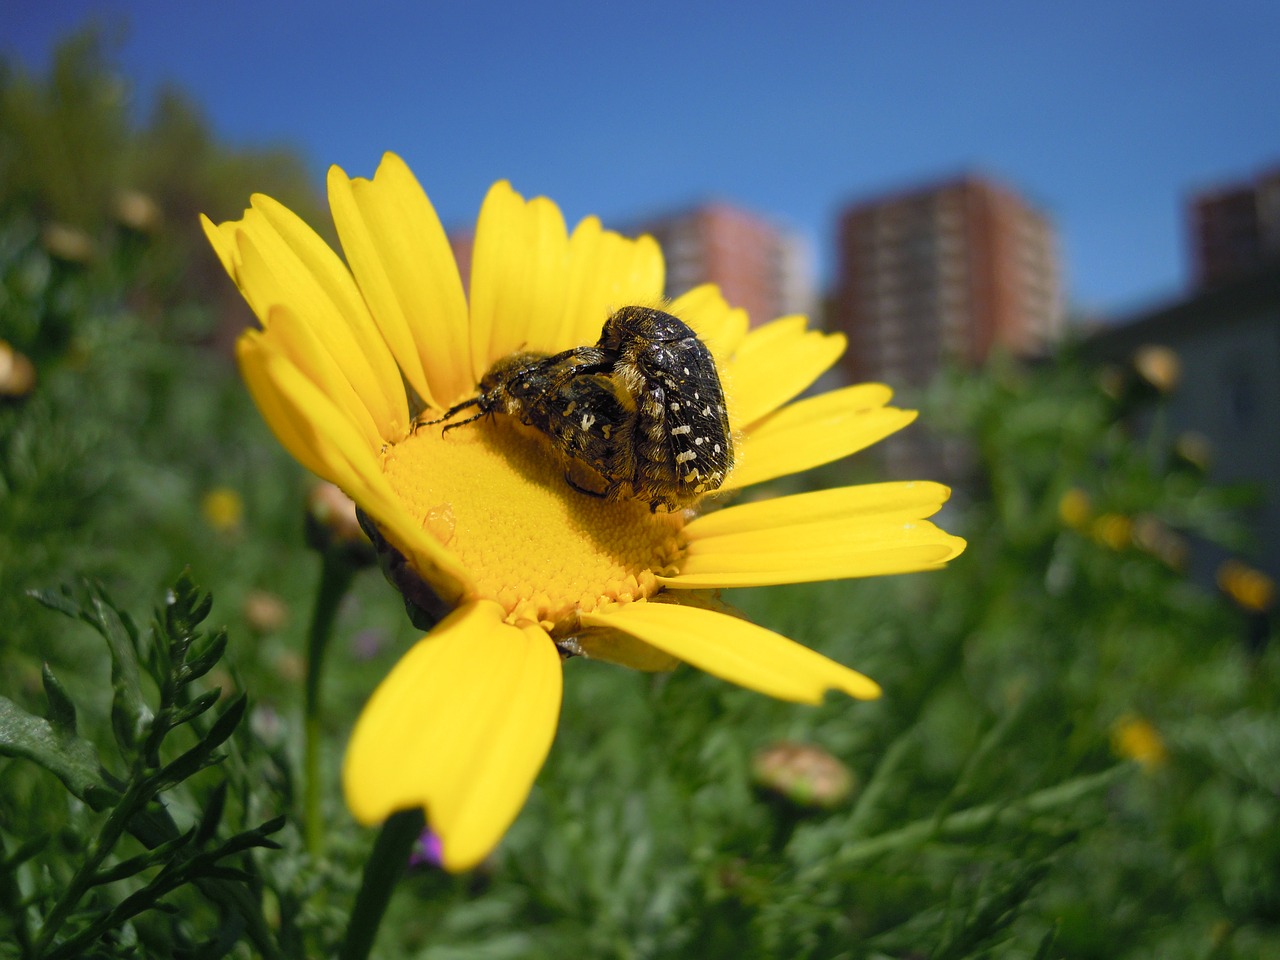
(496, 495)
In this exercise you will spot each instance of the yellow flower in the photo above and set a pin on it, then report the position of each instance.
(1250, 588)
(349, 353)
(1159, 366)
(1075, 508)
(1113, 530)
(1134, 738)
(17, 372)
(223, 509)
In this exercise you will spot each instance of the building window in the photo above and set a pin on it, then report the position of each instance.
(1242, 396)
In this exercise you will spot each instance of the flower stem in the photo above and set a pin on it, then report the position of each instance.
(387, 862)
(336, 574)
(977, 819)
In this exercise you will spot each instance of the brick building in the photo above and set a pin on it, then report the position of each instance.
(944, 273)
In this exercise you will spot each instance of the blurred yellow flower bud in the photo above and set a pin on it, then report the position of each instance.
(265, 612)
(1134, 738)
(223, 509)
(336, 512)
(1113, 530)
(1153, 536)
(1159, 366)
(332, 523)
(137, 211)
(802, 773)
(17, 373)
(1252, 589)
(67, 243)
(1075, 508)
(1194, 450)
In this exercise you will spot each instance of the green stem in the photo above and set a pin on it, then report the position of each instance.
(134, 799)
(974, 819)
(386, 864)
(336, 574)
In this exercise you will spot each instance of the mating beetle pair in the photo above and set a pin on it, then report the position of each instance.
(643, 408)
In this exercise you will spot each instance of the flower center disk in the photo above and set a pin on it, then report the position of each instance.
(496, 495)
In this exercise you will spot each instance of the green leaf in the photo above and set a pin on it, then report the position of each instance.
(153, 857)
(62, 712)
(257, 837)
(193, 709)
(211, 817)
(29, 848)
(201, 755)
(68, 757)
(130, 715)
(185, 609)
(234, 874)
(61, 601)
(202, 661)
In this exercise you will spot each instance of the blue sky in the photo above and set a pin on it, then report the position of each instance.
(1106, 115)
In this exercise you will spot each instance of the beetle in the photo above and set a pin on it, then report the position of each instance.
(643, 408)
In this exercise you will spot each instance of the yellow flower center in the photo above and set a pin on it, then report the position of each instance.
(495, 494)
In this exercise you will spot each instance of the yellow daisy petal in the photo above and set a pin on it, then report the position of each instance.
(222, 237)
(900, 500)
(277, 260)
(286, 335)
(816, 431)
(823, 535)
(720, 326)
(736, 650)
(519, 277)
(835, 550)
(291, 426)
(460, 727)
(777, 362)
(327, 443)
(607, 271)
(402, 260)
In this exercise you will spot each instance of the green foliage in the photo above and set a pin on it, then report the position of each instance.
(73, 156)
(101, 901)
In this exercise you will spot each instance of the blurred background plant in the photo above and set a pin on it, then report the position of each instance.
(1076, 755)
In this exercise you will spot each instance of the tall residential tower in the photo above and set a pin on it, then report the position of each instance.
(943, 273)
(758, 266)
(1235, 229)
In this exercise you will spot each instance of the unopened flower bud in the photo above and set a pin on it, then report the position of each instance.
(805, 774)
(1113, 530)
(1158, 366)
(67, 243)
(1153, 536)
(332, 524)
(17, 373)
(265, 612)
(1134, 738)
(137, 211)
(223, 509)
(1193, 450)
(1075, 508)
(1252, 589)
